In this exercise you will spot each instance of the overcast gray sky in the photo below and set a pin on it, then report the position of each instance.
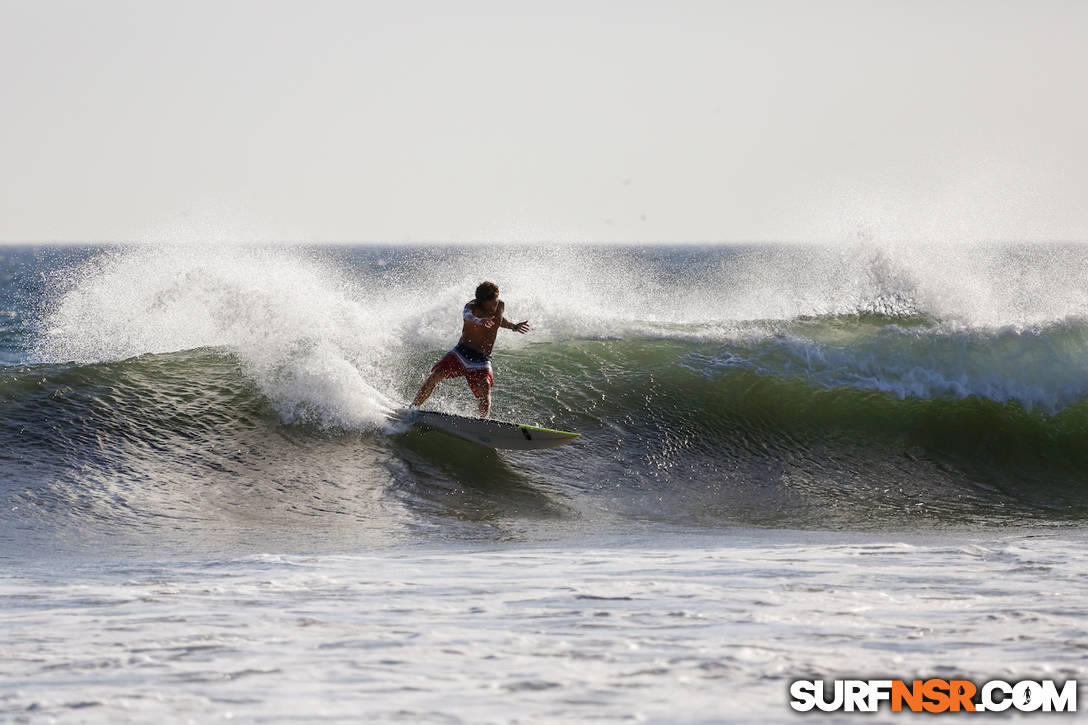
(516, 121)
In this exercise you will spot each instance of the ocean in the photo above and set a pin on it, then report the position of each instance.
(796, 463)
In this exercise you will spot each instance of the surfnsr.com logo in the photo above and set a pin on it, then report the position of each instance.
(933, 695)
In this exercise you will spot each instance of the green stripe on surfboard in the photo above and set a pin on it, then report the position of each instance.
(547, 430)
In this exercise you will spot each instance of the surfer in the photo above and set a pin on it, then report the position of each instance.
(471, 357)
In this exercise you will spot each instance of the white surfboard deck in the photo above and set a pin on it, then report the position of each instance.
(487, 432)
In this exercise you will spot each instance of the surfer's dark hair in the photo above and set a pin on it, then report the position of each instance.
(487, 291)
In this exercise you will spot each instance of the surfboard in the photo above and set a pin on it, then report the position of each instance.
(487, 432)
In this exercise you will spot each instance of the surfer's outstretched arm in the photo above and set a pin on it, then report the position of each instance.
(521, 327)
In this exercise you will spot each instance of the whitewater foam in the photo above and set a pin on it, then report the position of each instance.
(301, 330)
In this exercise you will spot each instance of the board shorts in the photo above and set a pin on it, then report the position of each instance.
(472, 364)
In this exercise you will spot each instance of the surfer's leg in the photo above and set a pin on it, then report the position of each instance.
(484, 401)
(428, 387)
(480, 382)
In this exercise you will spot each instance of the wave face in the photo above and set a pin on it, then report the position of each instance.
(243, 393)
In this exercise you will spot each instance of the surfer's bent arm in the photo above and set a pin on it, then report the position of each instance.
(470, 317)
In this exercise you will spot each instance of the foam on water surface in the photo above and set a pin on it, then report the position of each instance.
(701, 630)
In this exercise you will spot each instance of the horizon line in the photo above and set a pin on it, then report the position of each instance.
(519, 242)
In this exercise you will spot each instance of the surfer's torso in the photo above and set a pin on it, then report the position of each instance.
(474, 334)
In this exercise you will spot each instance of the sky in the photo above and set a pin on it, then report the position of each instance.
(527, 121)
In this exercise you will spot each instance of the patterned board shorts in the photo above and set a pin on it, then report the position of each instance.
(472, 364)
